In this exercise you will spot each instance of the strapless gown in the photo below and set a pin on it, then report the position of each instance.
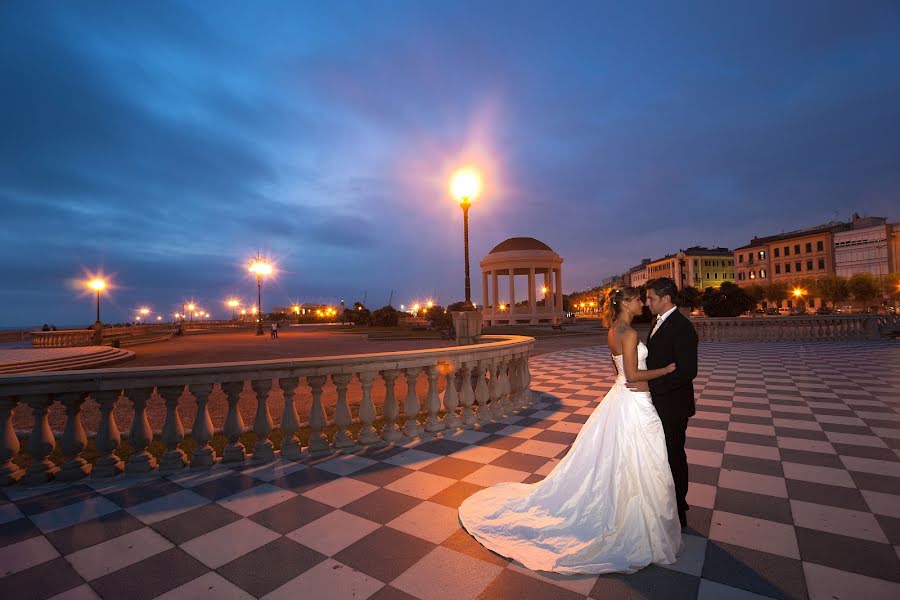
(608, 506)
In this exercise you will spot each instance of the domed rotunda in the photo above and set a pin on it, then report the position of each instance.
(515, 259)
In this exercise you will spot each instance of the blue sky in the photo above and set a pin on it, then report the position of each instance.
(165, 142)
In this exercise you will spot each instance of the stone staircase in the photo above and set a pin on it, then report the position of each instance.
(102, 357)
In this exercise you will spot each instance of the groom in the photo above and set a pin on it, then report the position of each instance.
(672, 339)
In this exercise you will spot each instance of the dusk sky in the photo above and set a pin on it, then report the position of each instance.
(164, 143)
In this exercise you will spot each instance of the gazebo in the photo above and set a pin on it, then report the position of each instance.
(529, 257)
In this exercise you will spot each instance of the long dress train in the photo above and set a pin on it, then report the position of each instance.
(608, 506)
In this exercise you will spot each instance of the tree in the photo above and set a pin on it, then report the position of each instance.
(386, 316)
(460, 306)
(439, 318)
(756, 293)
(864, 287)
(689, 297)
(728, 300)
(833, 288)
(776, 292)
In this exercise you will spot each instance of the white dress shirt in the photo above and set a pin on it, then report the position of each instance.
(661, 318)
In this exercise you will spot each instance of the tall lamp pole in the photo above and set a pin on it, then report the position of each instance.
(98, 285)
(465, 186)
(259, 267)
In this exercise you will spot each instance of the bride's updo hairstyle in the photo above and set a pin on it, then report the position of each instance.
(614, 300)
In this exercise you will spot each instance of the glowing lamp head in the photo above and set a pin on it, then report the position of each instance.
(97, 284)
(144, 311)
(798, 292)
(191, 306)
(260, 267)
(544, 289)
(232, 303)
(465, 185)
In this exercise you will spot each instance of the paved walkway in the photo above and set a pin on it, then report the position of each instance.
(795, 492)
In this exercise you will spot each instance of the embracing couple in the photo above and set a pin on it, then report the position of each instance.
(616, 501)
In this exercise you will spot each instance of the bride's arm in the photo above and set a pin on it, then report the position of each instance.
(630, 361)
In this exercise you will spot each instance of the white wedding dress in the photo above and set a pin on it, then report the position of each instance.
(608, 506)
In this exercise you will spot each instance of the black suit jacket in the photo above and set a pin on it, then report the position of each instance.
(674, 342)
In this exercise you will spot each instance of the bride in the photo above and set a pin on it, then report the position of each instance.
(609, 505)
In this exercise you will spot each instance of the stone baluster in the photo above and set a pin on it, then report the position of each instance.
(451, 397)
(466, 396)
(516, 382)
(482, 396)
(391, 431)
(505, 402)
(432, 402)
(140, 435)
(74, 439)
(174, 458)
(367, 434)
(411, 405)
(234, 424)
(9, 444)
(527, 399)
(203, 455)
(108, 437)
(495, 389)
(318, 443)
(40, 442)
(290, 423)
(264, 449)
(342, 439)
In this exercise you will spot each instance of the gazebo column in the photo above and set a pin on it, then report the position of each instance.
(512, 294)
(558, 288)
(495, 294)
(531, 295)
(548, 283)
(484, 290)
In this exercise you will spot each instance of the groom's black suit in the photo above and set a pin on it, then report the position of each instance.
(673, 395)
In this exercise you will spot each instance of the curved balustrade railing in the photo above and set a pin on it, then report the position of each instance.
(811, 328)
(484, 382)
(67, 338)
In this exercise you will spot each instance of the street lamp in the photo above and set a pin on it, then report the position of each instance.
(465, 186)
(259, 267)
(232, 303)
(191, 308)
(296, 310)
(98, 285)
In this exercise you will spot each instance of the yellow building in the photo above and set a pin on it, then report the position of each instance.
(697, 267)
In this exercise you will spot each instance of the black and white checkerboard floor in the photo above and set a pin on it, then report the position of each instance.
(795, 493)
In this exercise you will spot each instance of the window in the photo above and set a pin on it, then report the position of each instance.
(776, 252)
(752, 275)
(798, 265)
(820, 245)
(787, 267)
(778, 269)
(762, 273)
(796, 248)
(787, 250)
(707, 275)
(809, 246)
(717, 275)
(762, 255)
(741, 276)
(821, 263)
(809, 265)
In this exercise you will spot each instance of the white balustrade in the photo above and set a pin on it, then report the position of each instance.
(798, 328)
(492, 375)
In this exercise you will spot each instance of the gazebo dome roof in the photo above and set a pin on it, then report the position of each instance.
(520, 243)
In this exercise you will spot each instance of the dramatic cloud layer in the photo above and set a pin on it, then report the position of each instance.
(166, 142)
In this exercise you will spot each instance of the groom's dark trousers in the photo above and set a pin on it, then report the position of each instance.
(673, 395)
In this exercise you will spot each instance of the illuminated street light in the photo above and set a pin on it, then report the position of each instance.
(98, 285)
(232, 303)
(191, 307)
(465, 185)
(259, 267)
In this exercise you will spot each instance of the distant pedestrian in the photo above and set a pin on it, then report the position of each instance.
(274, 330)
(45, 327)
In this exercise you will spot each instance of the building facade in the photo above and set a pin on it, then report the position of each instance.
(697, 267)
(867, 247)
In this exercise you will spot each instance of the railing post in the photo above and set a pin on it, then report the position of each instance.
(432, 401)
(203, 455)
(74, 439)
(108, 437)
(40, 442)
(9, 444)
(234, 424)
(411, 405)
(342, 439)
(482, 395)
(174, 458)
(290, 445)
(526, 381)
(494, 389)
(466, 396)
(318, 442)
(140, 435)
(263, 450)
(391, 432)
(367, 434)
(451, 397)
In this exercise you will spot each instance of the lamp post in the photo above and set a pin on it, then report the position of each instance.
(259, 267)
(465, 186)
(191, 308)
(232, 303)
(98, 285)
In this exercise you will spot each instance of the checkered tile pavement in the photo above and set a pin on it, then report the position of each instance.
(795, 491)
